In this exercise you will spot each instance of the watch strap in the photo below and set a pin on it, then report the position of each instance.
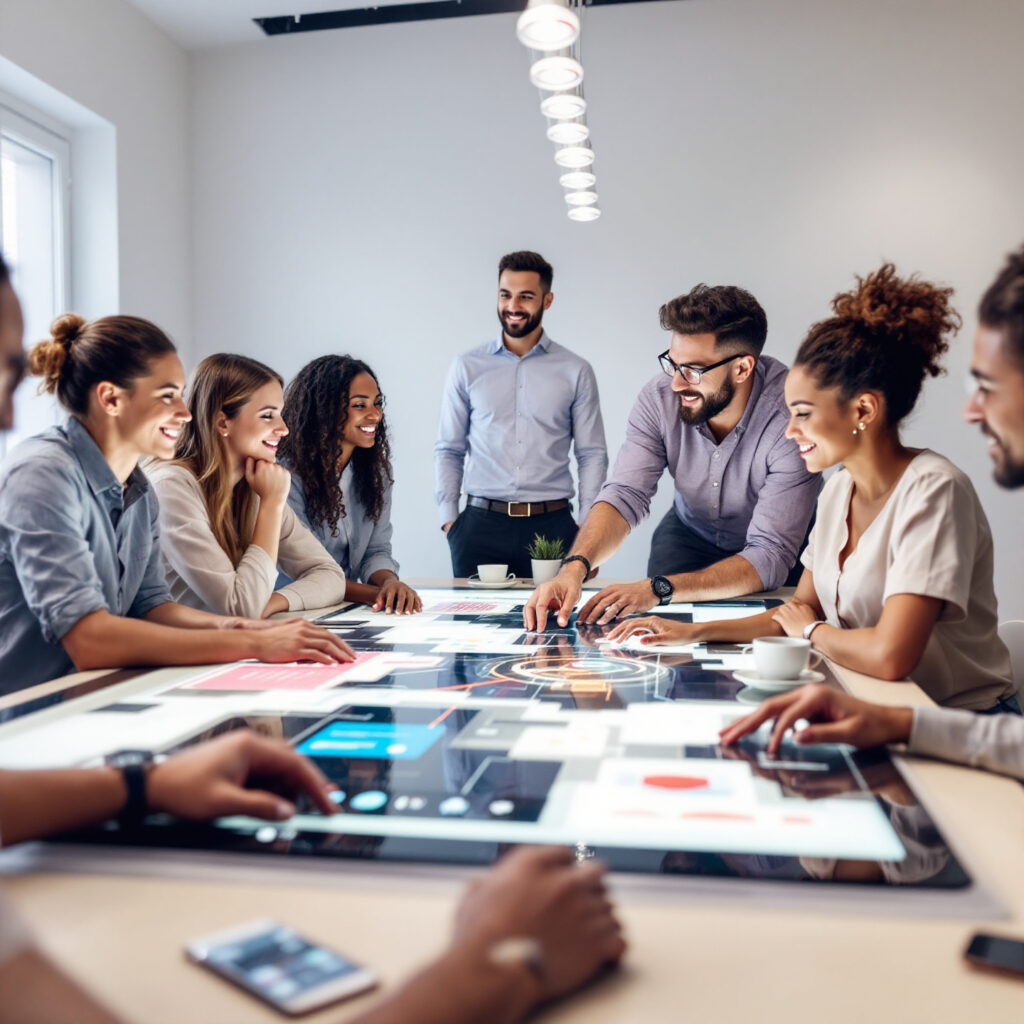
(579, 558)
(812, 626)
(136, 805)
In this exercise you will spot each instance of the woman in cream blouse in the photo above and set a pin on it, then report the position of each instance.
(225, 523)
(898, 573)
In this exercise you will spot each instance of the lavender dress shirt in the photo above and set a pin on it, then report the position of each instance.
(512, 420)
(750, 494)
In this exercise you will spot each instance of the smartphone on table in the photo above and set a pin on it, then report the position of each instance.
(996, 953)
(272, 962)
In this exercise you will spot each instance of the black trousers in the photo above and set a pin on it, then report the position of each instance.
(480, 537)
(676, 548)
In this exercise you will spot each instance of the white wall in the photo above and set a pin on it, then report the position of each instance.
(106, 70)
(354, 189)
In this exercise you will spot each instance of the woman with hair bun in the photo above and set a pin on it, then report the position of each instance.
(340, 459)
(898, 575)
(81, 584)
(225, 524)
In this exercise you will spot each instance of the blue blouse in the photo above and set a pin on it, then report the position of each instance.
(72, 542)
(362, 547)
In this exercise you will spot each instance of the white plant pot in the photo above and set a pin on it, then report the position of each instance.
(545, 569)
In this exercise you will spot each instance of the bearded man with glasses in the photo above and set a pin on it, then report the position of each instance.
(715, 418)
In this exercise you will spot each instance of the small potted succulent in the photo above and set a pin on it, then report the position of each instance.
(545, 557)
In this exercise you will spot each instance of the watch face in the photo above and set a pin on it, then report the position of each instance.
(122, 758)
(661, 586)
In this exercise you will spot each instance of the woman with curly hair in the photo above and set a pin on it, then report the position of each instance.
(340, 460)
(898, 576)
(224, 517)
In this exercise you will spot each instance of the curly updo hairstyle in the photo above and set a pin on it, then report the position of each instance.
(79, 354)
(316, 410)
(886, 335)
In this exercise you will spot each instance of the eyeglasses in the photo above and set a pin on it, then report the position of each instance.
(692, 374)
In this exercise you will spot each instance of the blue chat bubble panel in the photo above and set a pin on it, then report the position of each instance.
(384, 741)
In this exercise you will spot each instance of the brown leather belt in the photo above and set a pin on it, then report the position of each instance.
(518, 509)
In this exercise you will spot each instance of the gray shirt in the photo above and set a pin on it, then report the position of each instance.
(362, 546)
(512, 421)
(995, 742)
(750, 494)
(72, 542)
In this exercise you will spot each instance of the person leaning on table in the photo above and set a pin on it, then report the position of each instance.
(538, 894)
(995, 742)
(81, 584)
(898, 571)
(225, 522)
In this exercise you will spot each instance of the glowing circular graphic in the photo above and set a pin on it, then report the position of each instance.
(371, 800)
(337, 796)
(454, 806)
(501, 808)
(265, 834)
(576, 674)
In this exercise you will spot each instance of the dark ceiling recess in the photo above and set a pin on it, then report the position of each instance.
(290, 23)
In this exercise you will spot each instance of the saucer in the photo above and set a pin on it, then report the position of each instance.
(759, 682)
(484, 585)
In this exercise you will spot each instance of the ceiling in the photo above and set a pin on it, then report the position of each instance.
(197, 24)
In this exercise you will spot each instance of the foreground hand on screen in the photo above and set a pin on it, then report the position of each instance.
(656, 630)
(541, 893)
(209, 781)
(617, 599)
(558, 595)
(397, 597)
(299, 640)
(836, 718)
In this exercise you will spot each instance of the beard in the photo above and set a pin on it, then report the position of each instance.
(531, 323)
(1006, 472)
(710, 405)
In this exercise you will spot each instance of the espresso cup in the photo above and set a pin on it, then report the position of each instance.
(782, 657)
(493, 573)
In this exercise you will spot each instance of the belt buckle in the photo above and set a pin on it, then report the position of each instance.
(521, 515)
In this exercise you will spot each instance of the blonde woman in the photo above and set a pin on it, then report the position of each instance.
(225, 522)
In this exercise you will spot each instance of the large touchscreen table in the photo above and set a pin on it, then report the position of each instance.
(456, 732)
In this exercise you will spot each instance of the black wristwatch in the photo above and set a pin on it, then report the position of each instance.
(133, 765)
(663, 589)
(579, 558)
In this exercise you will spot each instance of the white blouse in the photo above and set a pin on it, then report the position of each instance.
(931, 538)
(200, 573)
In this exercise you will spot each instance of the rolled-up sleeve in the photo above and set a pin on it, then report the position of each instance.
(317, 579)
(639, 464)
(779, 520)
(48, 547)
(450, 448)
(588, 440)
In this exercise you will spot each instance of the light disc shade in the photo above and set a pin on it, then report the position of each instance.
(584, 213)
(581, 198)
(553, 74)
(577, 179)
(563, 106)
(574, 157)
(568, 133)
(548, 27)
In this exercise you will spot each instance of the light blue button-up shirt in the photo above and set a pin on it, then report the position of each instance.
(510, 422)
(362, 546)
(72, 542)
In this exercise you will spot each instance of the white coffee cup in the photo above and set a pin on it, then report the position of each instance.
(782, 657)
(493, 573)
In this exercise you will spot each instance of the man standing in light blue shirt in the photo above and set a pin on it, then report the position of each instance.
(512, 408)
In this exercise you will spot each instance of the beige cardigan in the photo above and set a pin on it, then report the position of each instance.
(200, 574)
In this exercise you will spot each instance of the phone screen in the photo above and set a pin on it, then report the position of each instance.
(278, 964)
(996, 952)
